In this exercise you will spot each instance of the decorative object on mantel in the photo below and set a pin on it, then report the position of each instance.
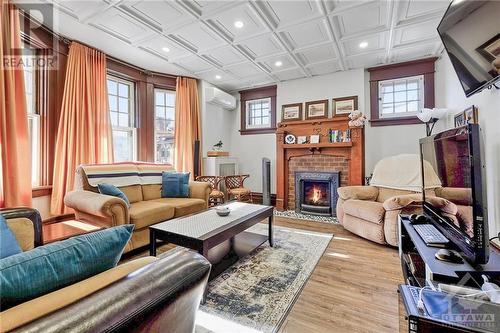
(291, 112)
(343, 106)
(302, 140)
(339, 136)
(431, 116)
(217, 152)
(290, 139)
(314, 138)
(317, 109)
(357, 119)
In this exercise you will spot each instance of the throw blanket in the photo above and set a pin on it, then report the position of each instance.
(402, 172)
(125, 174)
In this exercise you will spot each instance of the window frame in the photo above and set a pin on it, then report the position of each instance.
(155, 132)
(132, 114)
(248, 113)
(257, 94)
(424, 67)
(420, 100)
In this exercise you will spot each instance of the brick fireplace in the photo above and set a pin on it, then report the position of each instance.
(344, 159)
(316, 192)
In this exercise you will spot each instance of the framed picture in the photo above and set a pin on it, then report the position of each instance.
(459, 119)
(471, 115)
(302, 140)
(490, 50)
(290, 112)
(315, 138)
(317, 109)
(343, 106)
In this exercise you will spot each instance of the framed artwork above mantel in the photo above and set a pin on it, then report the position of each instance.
(343, 106)
(317, 109)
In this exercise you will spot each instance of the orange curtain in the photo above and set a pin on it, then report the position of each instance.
(187, 123)
(15, 150)
(84, 135)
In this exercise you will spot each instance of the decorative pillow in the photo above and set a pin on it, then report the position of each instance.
(114, 191)
(175, 184)
(8, 242)
(47, 268)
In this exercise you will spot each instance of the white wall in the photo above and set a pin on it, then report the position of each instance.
(449, 94)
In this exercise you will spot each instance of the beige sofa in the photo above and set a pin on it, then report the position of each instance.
(147, 207)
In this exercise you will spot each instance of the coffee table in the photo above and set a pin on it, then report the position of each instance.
(207, 231)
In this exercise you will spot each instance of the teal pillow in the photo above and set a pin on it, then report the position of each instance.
(114, 191)
(8, 242)
(175, 184)
(50, 267)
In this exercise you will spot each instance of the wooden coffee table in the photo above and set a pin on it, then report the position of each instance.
(206, 232)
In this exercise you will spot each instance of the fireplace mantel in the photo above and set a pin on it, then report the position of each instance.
(352, 151)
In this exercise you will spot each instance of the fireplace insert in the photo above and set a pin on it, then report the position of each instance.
(316, 192)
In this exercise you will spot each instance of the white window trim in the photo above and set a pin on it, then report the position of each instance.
(35, 148)
(401, 114)
(132, 129)
(247, 120)
(156, 133)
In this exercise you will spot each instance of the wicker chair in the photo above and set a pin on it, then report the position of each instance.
(216, 196)
(235, 188)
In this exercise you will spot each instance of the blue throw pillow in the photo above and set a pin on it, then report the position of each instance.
(114, 191)
(50, 267)
(175, 184)
(8, 242)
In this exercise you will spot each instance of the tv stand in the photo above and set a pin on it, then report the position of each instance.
(421, 268)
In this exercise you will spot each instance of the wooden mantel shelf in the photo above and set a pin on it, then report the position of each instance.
(318, 145)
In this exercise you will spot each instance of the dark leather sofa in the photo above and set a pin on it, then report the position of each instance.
(152, 294)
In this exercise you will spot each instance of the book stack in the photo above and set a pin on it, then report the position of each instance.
(339, 135)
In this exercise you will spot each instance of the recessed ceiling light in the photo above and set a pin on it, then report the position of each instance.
(278, 63)
(165, 49)
(238, 24)
(218, 77)
(363, 45)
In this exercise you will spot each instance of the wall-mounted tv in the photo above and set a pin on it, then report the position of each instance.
(470, 31)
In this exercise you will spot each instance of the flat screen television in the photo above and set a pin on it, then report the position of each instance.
(470, 32)
(455, 157)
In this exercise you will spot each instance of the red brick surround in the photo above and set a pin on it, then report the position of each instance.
(313, 163)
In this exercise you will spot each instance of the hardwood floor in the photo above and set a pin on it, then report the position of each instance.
(352, 289)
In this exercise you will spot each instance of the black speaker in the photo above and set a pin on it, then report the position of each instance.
(266, 181)
(196, 158)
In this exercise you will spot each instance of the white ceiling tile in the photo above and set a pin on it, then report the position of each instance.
(318, 53)
(417, 51)
(80, 9)
(194, 64)
(324, 67)
(161, 13)
(415, 33)
(156, 45)
(211, 74)
(120, 25)
(270, 62)
(338, 5)
(306, 34)
(244, 70)
(366, 60)
(262, 46)
(286, 13)
(366, 18)
(197, 36)
(410, 9)
(252, 22)
(290, 74)
(375, 42)
(225, 55)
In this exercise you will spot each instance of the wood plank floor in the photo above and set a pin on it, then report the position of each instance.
(352, 289)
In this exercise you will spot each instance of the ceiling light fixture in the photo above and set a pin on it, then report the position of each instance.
(218, 77)
(238, 24)
(165, 49)
(363, 45)
(278, 63)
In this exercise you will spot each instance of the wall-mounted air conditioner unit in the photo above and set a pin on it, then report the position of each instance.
(218, 97)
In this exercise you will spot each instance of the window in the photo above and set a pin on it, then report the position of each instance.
(399, 91)
(164, 125)
(258, 113)
(122, 111)
(258, 110)
(401, 97)
(33, 120)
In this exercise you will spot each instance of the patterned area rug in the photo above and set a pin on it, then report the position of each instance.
(255, 294)
(291, 214)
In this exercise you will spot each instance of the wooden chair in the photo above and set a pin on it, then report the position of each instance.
(236, 189)
(216, 196)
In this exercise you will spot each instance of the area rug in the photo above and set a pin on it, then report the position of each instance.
(291, 214)
(256, 293)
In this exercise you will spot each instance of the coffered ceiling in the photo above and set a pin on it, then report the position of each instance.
(241, 44)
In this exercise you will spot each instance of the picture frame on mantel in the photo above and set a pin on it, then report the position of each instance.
(291, 112)
(343, 106)
(317, 109)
